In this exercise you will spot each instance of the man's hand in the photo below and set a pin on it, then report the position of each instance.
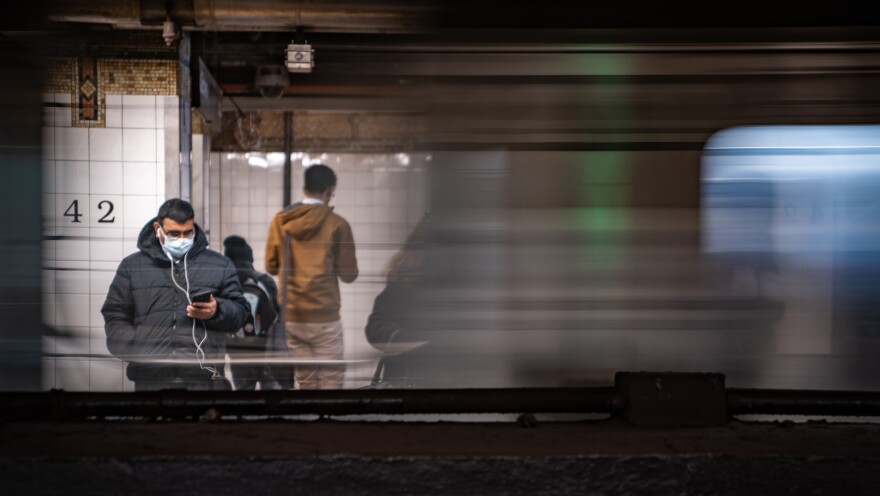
(202, 311)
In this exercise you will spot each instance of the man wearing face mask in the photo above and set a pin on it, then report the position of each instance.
(152, 322)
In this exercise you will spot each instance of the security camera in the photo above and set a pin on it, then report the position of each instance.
(272, 80)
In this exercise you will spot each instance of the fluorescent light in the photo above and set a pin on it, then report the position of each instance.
(275, 158)
(258, 162)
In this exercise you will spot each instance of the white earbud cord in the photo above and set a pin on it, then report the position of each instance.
(200, 353)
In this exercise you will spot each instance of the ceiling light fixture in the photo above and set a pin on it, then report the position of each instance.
(300, 55)
(170, 31)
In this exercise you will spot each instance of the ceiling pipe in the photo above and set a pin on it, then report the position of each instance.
(348, 16)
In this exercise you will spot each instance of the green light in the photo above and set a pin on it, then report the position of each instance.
(601, 167)
(603, 180)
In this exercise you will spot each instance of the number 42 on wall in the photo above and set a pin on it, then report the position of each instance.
(73, 212)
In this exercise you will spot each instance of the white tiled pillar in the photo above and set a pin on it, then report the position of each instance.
(102, 185)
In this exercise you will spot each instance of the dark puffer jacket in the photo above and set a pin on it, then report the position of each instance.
(145, 314)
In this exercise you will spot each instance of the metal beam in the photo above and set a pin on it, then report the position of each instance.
(325, 104)
(288, 149)
(386, 16)
(60, 405)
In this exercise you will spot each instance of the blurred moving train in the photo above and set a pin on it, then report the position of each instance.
(690, 200)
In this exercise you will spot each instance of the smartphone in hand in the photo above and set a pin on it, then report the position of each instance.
(202, 296)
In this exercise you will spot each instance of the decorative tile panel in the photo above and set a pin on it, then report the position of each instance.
(87, 79)
(89, 106)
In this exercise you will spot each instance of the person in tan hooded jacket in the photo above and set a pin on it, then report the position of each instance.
(320, 251)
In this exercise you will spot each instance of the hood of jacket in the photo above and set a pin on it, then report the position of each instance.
(150, 245)
(304, 221)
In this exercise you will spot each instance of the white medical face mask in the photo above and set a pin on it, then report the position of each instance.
(176, 247)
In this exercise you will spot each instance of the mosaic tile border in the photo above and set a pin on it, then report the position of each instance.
(76, 76)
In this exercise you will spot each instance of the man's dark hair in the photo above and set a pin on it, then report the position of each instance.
(177, 210)
(319, 177)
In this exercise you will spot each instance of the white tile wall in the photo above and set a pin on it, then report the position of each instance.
(241, 172)
(381, 197)
(352, 213)
(63, 114)
(160, 113)
(137, 210)
(48, 173)
(48, 143)
(72, 310)
(160, 150)
(73, 243)
(71, 277)
(129, 239)
(105, 144)
(139, 111)
(49, 216)
(139, 178)
(363, 237)
(160, 178)
(258, 197)
(105, 178)
(257, 221)
(105, 245)
(48, 344)
(72, 176)
(48, 110)
(119, 167)
(113, 110)
(49, 299)
(74, 340)
(100, 276)
(239, 216)
(98, 342)
(361, 197)
(106, 375)
(72, 374)
(96, 301)
(169, 102)
(139, 145)
(71, 143)
(274, 199)
(48, 371)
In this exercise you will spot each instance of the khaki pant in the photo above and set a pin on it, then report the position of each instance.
(317, 341)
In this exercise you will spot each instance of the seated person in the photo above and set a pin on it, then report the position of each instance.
(393, 326)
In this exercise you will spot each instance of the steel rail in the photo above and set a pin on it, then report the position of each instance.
(58, 404)
(180, 403)
(802, 402)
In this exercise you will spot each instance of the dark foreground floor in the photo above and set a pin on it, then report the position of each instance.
(332, 457)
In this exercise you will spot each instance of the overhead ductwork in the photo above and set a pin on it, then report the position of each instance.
(346, 16)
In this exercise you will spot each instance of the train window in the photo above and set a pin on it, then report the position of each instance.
(791, 214)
